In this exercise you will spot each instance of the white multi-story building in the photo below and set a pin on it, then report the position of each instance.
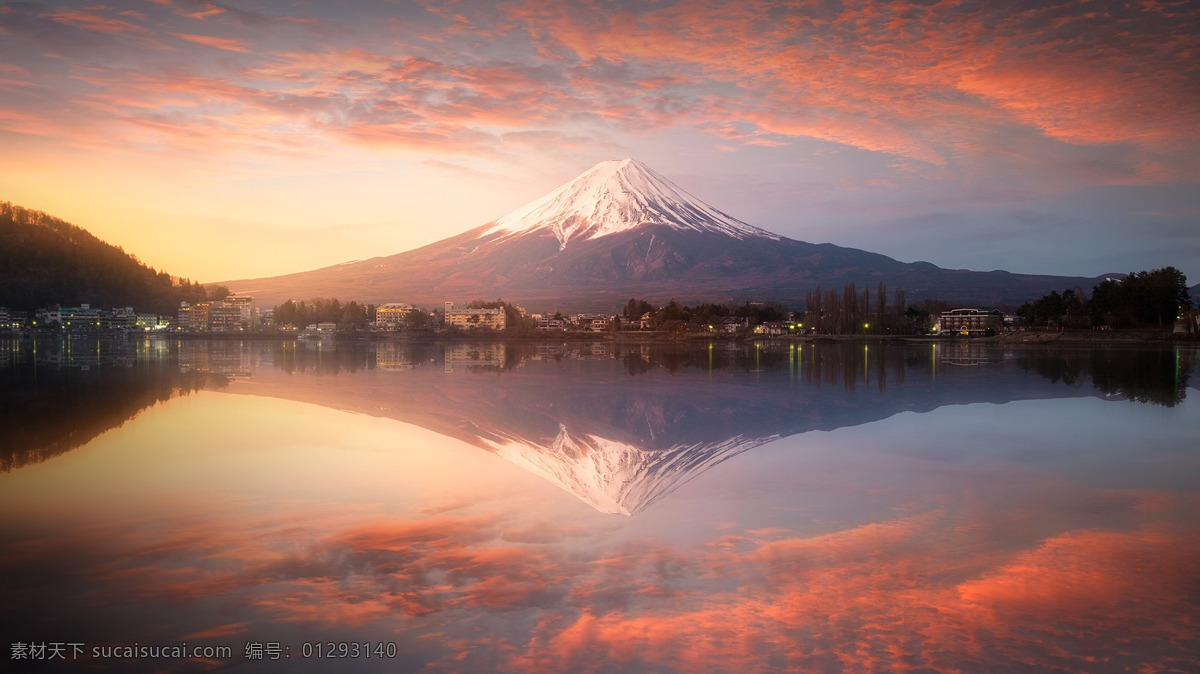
(964, 321)
(232, 314)
(470, 319)
(80, 317)
(391, 315)
(245, 307)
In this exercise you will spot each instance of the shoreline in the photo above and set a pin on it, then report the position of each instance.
(1022, 338)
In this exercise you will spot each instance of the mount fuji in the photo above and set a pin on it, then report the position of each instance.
(622, 230)
(615, 197)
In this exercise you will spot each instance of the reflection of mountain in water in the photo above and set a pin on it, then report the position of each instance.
(60, 396)
(622, 426)
(618, 426)
(617, 477)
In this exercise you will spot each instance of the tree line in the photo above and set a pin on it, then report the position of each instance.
(851, 311)
(299, 313)
(1141, 299)
(675, 316)
(45, 261)
(835, 311)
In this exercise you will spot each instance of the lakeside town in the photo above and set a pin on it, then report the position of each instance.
(847, 314)
(240, 315)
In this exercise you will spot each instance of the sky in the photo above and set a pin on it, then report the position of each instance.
(231, 140)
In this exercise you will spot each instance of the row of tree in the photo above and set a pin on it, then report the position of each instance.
(1141, 299)
(851, 312)
(298, 313)
(1146, 298)
(674, 315)
(844, 311)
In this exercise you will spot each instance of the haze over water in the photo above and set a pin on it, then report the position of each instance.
(603, 507)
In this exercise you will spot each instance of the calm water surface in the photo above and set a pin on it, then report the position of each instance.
(492, 507)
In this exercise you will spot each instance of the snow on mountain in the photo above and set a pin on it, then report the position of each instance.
(622, 230)
(616, 196)
(616, 477)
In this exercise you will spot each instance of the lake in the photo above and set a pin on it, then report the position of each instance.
(472, 506)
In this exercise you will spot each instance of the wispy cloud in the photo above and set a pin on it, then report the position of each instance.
(215, 42)
(959, 100)
(91, 19)
(931, 83)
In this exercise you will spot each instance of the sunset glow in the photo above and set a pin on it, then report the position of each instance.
(484, 563)
(218, 141)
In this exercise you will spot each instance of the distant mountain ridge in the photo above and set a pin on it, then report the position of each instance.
(621, 230)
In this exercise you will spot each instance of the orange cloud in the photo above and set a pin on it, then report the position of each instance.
(923, 82)
(933, 590)
(91, 20)
(215, 42)
(876, 598)
(935, 84)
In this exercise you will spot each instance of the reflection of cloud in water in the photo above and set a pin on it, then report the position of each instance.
(888, 596)
(974, 563)
(924, 590)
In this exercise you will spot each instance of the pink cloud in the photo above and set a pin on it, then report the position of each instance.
(92, 20)
(940, 589)
(915, 81)
(876, 597)
(215, 42)
(931, 85)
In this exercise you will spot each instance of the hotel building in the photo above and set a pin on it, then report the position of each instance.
(469, 319)
(391, 316)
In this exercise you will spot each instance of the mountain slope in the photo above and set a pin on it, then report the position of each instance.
(618, 196)
(46, 261)
(621, 230)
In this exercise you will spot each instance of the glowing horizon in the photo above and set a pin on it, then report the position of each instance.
(217, 142)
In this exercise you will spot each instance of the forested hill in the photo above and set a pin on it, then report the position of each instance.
(45, 261)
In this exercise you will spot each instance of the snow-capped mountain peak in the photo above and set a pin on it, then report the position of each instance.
(616, 196)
